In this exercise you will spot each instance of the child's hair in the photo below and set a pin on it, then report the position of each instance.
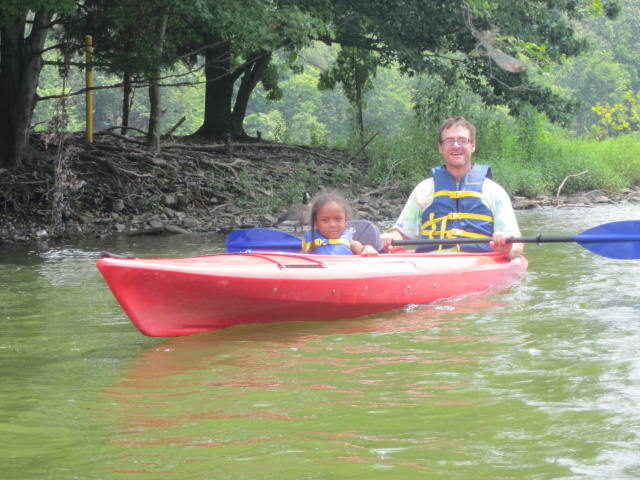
(319, 201)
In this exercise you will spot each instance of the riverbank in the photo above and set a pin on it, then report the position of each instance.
(115, 185)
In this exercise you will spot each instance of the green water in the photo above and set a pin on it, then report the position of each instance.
(538, 382)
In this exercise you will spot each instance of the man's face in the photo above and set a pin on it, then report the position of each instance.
(456, 148)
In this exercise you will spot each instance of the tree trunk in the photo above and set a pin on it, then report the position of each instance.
(359, 109)
(155, 111)
(127, 92)
(218, 92)
(250, 79)
(155, 114)
(20, 65)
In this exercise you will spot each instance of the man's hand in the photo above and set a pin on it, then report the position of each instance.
(388, 237)
(509, 250)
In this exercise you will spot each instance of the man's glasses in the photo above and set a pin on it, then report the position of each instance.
(462, 141)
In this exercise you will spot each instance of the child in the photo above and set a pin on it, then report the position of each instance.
(330, 235)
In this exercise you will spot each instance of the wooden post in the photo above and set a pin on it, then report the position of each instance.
(89, 85)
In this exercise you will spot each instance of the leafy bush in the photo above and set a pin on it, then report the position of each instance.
(529, 156)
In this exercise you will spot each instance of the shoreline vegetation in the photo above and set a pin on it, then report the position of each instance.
(116, 185)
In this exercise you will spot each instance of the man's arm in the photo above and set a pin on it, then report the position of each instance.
(504, 220)
(407, 225)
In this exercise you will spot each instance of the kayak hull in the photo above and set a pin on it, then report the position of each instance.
(174, 297)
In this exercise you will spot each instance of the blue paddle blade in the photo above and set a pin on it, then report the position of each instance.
(262, 239)
(619, 240)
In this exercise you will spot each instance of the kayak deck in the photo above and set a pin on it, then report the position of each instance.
(172, 297)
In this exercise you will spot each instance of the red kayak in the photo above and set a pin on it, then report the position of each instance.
(173, 297)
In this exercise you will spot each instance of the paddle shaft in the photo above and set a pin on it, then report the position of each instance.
(618, 240)
(536, 239)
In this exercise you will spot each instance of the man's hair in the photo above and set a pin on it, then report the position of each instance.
(455, 122)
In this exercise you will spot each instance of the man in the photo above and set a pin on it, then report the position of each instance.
(460, 200)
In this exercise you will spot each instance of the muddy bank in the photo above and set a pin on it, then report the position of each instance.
(115, 185)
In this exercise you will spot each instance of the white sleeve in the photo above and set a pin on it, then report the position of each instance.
(504, 218)
(410, 219)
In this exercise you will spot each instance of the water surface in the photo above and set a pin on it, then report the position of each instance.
(540, 381)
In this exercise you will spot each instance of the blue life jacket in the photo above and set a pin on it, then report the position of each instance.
(315, 242)
(457, 210)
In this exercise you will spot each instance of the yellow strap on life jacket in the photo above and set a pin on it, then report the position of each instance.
(454, 216)
(459, 233)
(457, 193)
(319, 242)
(430, 227)
(435, 228)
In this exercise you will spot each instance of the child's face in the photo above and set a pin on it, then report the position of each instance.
(331, 220)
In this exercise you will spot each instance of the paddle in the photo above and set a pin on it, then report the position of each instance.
(262, 239)
(620, 240)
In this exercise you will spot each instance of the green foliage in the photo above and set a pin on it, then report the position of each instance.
(552, 155)
(270, 83)
(405, 158)
(529, 155)
(186, 100)
(51, 85)
(622, 156)
(403, 112)
(292, 189)
(608, 69)
(271, 125)
(11, 9)
(126, 32)
(304, 115)
(309, 130)
(619, 117)
(250, 195)
(597, 78)
(354, 69)
(435, 99)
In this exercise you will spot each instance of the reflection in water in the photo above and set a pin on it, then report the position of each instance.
(305, 388)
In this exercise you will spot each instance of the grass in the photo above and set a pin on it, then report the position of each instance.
(529, 157)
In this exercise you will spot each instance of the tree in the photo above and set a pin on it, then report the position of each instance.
(237, 39)
(609, 68)
(484, 41)
(136, 51)
(354, 69)
(234, 38)
(595, 78)
(618, 118)
(24, 26)
(242, 53)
